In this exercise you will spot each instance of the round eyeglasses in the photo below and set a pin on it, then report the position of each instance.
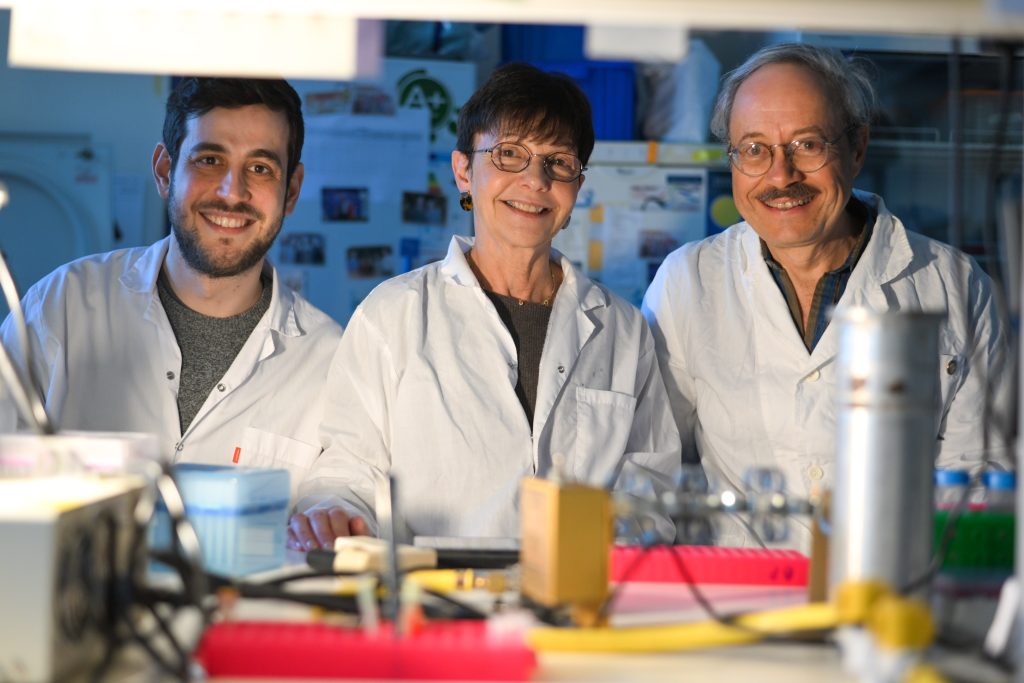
(514, 158)
(807, 154)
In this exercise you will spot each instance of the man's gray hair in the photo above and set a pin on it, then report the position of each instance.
(845, 81)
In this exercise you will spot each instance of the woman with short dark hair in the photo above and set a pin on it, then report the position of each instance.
(502, 361)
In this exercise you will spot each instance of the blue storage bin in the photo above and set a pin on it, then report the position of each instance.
(543, 43)
(611, 89)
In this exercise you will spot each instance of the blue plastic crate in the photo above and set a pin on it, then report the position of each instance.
(611, 89)
(547, 43)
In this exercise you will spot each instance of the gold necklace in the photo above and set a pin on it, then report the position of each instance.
(521, 302)
(547, 299)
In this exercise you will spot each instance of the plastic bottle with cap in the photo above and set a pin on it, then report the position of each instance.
(950, 487)
(1000, 490)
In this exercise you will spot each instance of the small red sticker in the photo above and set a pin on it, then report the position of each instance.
(238, 452)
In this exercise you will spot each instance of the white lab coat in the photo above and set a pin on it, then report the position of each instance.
(423, 388)
(745, 391)
(107, 359)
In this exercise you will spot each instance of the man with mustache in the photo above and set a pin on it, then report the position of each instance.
(741, 319)
(195, 338)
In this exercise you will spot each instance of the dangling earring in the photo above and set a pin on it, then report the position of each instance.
(567, 221)
(466, 201)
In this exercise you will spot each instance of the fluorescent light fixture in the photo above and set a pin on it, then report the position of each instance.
(638, 43)
(216, 38)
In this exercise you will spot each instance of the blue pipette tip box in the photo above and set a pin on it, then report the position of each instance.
(239, 514)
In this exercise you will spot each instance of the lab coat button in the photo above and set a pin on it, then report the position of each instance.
(179, 446)
(951, 367)
(814, 376)
(561, 369)
(170, 374)
(815, 472)
(221, 387)
(512, 364)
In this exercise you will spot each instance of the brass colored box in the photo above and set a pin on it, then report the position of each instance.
(566, 539)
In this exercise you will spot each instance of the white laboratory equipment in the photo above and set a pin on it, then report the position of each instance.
(885, 447)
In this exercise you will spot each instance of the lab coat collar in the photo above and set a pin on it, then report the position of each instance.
(142, 273)
(141, 276)
(888, 253)
(281, 315)
(583, 290)
(886, 256)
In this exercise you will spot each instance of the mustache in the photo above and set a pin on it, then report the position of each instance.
(797, 192)
(246, 209)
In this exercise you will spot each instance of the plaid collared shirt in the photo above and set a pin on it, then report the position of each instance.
(830, 287)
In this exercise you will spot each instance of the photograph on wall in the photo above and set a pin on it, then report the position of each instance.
(685, 192)
(334, 101)
(351, 98)
(295, 278)
(370, 262)
(648, 195)
(656, 244)
(424, 208)
(369, 99)
(345, 204)
(302, 248)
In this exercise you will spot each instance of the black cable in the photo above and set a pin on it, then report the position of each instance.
(176, 665)
(323, 561)
(945, 540)
(165, 629)
(730, 620)
(338, 603)
(749, 528)
(609, 601)
(328, 601)
(282, 580)
(552, 616)
(131, 591)
(698, 595)
(702, 599)
(112, 606)
(465, 611)
(179, 670)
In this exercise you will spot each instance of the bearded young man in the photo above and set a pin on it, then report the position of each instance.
(194, 338)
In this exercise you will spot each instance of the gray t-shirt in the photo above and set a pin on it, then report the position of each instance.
(208, 345)
(528, 324)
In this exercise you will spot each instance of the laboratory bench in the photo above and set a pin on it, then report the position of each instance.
(644, 603)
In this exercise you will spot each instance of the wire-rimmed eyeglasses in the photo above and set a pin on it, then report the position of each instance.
(807, 154)
(514, 158)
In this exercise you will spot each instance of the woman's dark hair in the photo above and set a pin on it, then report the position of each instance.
(196, 96)
(521, 100)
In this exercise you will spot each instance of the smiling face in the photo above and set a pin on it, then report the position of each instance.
(516, 210)
(779, 103)
(227, 194)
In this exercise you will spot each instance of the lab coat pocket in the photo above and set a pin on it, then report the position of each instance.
(604, 420)
(266, 449)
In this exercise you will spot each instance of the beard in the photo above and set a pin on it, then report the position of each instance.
(204, 260)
